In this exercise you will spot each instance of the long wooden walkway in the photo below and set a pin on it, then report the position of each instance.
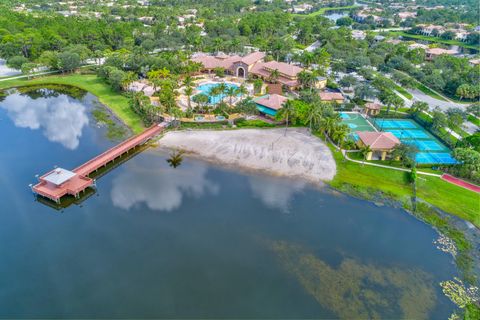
(80, 180)
(118, 150)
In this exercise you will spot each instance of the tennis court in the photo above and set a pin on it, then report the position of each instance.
(415, 134)
(431, 150)
(427, 157)
(382, 124)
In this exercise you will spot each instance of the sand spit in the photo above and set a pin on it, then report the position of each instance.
(298, 154)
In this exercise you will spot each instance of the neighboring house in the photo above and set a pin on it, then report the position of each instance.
(406, 14)
(474, 62)
(321, 83)
(358, 34)
(270, 104)
(414, 46)
(142, 86)
(331, 97)
(381, 143)
(372, 109)
(432, 53)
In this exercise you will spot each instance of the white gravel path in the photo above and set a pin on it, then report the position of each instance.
(298, 154)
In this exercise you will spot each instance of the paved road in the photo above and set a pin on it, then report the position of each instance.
(26, 76)
(432, 102)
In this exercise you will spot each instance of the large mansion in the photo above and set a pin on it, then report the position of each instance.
(252, 63)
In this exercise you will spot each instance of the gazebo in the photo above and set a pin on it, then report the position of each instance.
(372, 109)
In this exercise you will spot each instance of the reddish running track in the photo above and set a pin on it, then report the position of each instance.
(461, 183)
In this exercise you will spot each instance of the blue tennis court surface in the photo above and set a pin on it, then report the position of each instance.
(430, 149)
(427, 158)
(404, 134)
(396, 123)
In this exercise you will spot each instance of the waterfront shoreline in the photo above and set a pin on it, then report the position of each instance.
(296, 155)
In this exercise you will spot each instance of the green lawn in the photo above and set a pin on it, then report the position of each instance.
(428, 91)
(434, 39)
(445, 196)
(323, 10)
(91, 83)
(474, 120)
(403, 92)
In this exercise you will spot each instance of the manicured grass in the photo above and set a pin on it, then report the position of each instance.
(323, 10)
(428, 91)
(434, 39)
(441, 194)
(404, 92)
(91, 83)
(474, 120)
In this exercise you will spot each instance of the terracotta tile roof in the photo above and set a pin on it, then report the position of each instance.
(373, 106)
(439, 51)
(272, 101)
(226, 61)
(378, 140)
(285, 68)
(330, 96)
(259, 70)
(253, 57)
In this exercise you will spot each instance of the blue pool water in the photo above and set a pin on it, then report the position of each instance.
(214, 99)
(266, 110)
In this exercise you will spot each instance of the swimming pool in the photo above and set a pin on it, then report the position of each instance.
(214, 99)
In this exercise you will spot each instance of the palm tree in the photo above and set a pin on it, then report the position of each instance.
(306, 79)
(129, 77)
(307, 58)
(201, 100)
(314, 116)
(188, 81)
(222, 88)
(231, 92)
(287, 112)
(365, 150)
(419, 107)
(406, 153)
(274, 75)
(242, 91)
(341, 132)
(188, 93)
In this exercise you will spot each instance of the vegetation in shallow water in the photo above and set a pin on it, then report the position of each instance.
(53, 89)
(114, 130)
(357, 290)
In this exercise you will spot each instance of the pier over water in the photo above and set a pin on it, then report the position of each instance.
(60, 182)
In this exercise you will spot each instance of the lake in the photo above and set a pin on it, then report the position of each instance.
(334, 15)
(195, 241)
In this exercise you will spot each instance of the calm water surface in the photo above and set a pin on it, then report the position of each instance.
(197, 240)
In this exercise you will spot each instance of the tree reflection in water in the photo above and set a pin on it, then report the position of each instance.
(176, 158)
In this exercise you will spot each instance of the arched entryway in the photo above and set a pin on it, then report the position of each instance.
(240, 72)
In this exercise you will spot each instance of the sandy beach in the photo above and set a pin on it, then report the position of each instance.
(298, 154)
